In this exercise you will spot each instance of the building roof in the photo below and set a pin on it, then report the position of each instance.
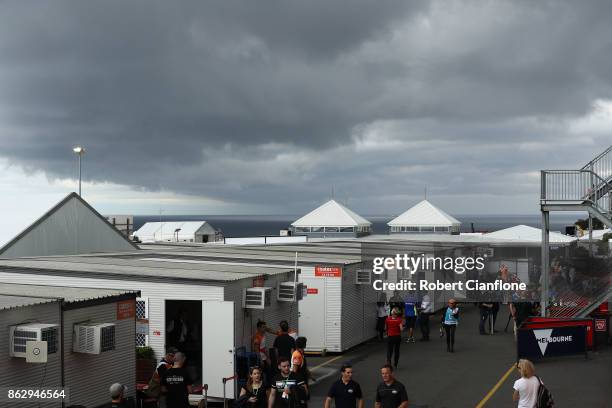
(71, 227)
(331, 214)
(527, 233)
(13, 301)
(13, 295)
(161, 231)
(424, 214)
(112, 267)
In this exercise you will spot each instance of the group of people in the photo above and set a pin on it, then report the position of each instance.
(405, 315)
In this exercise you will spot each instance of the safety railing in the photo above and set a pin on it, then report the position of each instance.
(576, 186)
(601, 165)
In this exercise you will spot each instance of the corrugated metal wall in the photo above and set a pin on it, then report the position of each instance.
(88, 376)
(15, 372)
(156, 292)
(358, 310)
(246, 319)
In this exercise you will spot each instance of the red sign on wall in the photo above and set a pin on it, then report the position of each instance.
(126, 309)
(600, 325)
(328, 271)
(312, 291)
(259, 282)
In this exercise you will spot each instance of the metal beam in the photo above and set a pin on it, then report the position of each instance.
(545, 263)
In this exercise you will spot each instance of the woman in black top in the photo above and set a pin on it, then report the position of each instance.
(256, 390)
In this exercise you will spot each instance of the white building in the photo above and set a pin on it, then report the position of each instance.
(221, 302)
(54, 314)
(424, 217)
(332, 220)
(177, 231)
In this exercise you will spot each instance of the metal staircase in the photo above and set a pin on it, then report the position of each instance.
(588, 189)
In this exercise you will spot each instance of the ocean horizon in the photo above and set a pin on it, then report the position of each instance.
(260, 225)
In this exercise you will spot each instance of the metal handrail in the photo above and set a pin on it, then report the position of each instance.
(602, 164)
(577, 185)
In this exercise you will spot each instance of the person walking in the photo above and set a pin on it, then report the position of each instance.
(177, 383)
(410, 313)
(345, 392)
(285, 391)
(526, 387)
(394, 326)
(256, 391)
(381, 316)
(450, 319)
(485, 313)
(390, 393)
(425, 310)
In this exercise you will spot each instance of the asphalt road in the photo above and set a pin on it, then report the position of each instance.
(435, 378)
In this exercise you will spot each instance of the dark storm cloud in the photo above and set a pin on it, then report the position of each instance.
(250, 101)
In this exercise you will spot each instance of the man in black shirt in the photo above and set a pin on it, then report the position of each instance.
(117, 393)
(390, 393)
(177, 383)
(284, 343)
(286, 387)
(345, 392)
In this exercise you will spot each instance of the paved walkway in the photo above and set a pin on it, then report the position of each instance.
(435, 378)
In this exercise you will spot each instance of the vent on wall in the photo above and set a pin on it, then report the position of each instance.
(256, 298)
(363, 277)
(288, 290)
(93, 338)
(20, 335)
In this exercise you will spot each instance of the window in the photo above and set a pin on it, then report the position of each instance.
(302, 229)
(142, 318)
(410, 229)
(441, 229)
(317, 229)
(331, 229)
(427, 229)
(347, 229)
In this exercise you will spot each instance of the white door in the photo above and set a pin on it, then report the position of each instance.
(218, 347)
(312, 313)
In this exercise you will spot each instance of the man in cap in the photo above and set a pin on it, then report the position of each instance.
(117, 393)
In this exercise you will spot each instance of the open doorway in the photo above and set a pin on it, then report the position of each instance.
(184, 331)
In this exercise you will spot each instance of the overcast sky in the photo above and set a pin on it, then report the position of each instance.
(220, 107)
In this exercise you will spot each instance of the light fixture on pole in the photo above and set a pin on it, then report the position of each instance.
(80, 150)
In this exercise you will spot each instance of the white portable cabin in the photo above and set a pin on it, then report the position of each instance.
(337, 311)
(51, 314)
(213, 292)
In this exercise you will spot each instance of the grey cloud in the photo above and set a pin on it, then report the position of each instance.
(251, 101)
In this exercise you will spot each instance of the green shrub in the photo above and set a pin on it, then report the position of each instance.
(145, 353)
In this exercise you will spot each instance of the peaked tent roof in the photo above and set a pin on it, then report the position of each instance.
(71, 227)
(527, 233)
(425, 214)
(332, 214)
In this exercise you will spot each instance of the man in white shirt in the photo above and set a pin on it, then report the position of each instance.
(425, 309)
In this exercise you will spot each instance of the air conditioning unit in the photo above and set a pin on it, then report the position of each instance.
(93, 338)
(256, 298)
(288, 290)
(363, 277)
(20, 335)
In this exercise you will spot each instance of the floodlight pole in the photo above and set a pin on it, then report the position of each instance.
(79, 150)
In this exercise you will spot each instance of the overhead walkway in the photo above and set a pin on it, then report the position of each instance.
(588, 189)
